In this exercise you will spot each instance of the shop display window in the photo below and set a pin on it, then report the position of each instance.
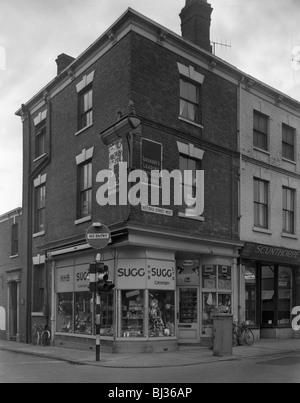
(132, 313)
(284, 295)
(107, 314)
(216, 280)
(161, 313)
(83, 313)
(250, 295)
(64, 322)
(209, 277)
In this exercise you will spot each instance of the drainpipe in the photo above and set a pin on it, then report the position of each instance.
(239, 118)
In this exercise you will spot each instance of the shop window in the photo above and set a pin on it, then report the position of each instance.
(107, 314)
(284, 295)
(217, 293)
(161, 313)
(83, 313)
(250, 295)
(132, 313)
(267, 295)
(64, 321)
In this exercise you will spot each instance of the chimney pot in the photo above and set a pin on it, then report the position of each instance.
(195, 23)
(63, 61)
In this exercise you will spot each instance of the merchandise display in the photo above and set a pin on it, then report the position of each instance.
(161, 314)
(188, 312)
(132, 314)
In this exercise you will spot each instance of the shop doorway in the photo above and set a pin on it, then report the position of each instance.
(188, 315)
(13, 305)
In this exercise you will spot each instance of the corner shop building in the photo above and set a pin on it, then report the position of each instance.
(163, 297)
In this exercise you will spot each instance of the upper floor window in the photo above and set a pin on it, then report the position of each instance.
(85, 101)
(190, 93)
(86, 108)
(261, 203)
(40, 203)
(84, 189)
(288, 142)
(260, 130)
(40, 139)
(288, 210)
(15, 239)
(189, 100)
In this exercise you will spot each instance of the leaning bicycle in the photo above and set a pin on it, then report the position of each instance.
(40, 335)
(242, 335)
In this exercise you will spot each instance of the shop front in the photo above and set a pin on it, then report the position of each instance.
(160, 299)
(272, 287)
(138, 315)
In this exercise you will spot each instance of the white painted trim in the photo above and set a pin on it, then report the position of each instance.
(85, 155)
(68, 250)
(84, 219)
(40, 117)
(83, 129)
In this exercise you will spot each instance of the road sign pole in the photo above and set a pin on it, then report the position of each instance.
(98, 325)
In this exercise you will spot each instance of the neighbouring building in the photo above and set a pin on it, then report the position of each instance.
(13, 285)
(269, 127)
(144, 96)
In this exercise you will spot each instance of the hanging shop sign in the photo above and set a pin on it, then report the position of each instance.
(268, 253)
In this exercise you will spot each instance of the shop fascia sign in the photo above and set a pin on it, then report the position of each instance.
(270, 253)
(133, 274)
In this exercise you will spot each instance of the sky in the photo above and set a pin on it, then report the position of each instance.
(262, 38)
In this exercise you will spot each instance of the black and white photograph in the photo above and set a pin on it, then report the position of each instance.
(149, 194)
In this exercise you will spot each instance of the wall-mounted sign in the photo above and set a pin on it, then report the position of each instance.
(151, 159)
(157, 210)
(64, 279)
(98, 236)
(130, 274)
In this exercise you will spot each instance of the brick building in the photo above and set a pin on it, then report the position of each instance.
(139, 98)
(13, 291)
(269, 146)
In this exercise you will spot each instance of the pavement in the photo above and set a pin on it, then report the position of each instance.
(184, 356)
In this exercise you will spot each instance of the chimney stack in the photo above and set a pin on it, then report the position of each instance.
(63, 61)
(195, 23)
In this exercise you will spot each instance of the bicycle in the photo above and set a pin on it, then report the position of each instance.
(40, 335)
(242, 335)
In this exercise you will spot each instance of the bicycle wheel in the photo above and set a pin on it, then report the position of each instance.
(235, 339)
(248, 337)
(35, 337)
(45, 338)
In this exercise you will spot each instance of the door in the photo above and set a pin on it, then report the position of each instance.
(188, 315)
(13, 309)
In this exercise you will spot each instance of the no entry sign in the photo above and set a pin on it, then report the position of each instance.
(97, 236)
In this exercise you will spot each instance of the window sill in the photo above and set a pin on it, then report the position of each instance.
(262, 230)
(82, 220)
(289, 161)
(287, 235)
(39, 157)
(191, 217)
(37, 234)
(83, 129)
(261, 150)
(190, 122)
(13, 256)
